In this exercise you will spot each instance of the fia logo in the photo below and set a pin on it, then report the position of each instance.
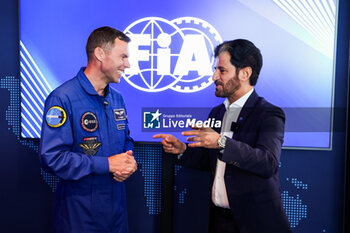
(151, 120)
(176, 54)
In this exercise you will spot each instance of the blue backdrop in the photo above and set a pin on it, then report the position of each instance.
(312, 182)
(171, 56)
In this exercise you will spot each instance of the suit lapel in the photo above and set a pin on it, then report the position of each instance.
(246, 110)
(243, 115)
(220, 116)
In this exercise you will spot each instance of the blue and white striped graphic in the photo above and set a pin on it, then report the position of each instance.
(34, 90)
(317, 17)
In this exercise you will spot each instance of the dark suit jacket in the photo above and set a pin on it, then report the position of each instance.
(252, 159)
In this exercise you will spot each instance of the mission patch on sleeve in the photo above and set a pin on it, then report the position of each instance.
(55, 117)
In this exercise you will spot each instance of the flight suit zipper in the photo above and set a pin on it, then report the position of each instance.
(105, 104)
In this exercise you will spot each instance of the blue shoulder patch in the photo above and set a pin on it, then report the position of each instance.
(55, 117)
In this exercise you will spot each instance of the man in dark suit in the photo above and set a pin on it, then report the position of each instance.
(243, 154)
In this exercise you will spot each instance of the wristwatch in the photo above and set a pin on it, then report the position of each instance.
(222, 142)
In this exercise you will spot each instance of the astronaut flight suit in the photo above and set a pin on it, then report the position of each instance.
(80, 130)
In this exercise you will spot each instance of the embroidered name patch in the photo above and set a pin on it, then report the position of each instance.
(119, 114)
(89, 122)
(55, 117)
(120, 126)
(90, 145)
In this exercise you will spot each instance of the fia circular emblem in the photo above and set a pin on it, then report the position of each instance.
(89, 122)
(179, 55)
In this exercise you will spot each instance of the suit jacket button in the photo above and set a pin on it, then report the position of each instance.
(235, 163)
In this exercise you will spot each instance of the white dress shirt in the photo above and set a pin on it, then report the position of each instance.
(219, 194)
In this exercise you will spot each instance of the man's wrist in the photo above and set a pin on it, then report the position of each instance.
(180, 155)
(184, 146)
(222, 142)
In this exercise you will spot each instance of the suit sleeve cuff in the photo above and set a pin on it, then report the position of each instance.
(180, 155)
(100, 165)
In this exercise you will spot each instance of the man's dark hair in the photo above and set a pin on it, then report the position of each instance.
(243, 54)
(103, 37)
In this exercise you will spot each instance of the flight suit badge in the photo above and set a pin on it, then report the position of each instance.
(90, 145)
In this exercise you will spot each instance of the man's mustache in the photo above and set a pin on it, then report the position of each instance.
(218, 83)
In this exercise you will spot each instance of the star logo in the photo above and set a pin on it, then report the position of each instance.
(156, 115)
(151, 120)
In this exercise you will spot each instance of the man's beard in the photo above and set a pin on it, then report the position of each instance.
(228, 89)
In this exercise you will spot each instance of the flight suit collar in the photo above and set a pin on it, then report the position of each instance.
(86, 84)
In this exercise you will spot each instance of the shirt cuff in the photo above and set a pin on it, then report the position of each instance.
(100, 165)
(180, 155)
